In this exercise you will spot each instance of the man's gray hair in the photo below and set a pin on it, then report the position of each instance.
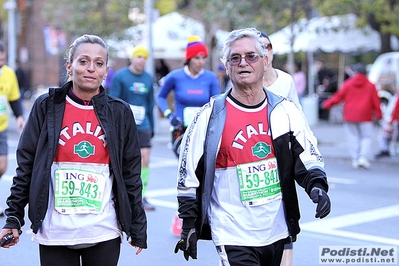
(243, 33)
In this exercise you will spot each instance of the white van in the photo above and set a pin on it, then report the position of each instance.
(384, 73)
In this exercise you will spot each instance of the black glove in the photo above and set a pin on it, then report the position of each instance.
(175, 120)
(188, 243)
(320, 197)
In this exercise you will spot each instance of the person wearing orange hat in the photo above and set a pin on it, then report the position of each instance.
(193, 86)
(135, 86)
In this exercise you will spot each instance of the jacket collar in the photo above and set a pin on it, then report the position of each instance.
(59, 94)
(219, 100)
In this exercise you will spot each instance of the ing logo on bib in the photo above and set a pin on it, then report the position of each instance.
(261, 150)
(84, 149)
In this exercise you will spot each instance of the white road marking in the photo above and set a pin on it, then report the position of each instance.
(151, 196)
(7, 178)
(163, 203)
(161, 192)
(339, 180)
(362, 237)
(158, 162)
(12, 143)
(330, 226)
(353, 219)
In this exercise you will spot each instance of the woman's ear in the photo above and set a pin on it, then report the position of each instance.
(68, 68)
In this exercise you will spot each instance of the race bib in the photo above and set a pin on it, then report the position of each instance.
(139, 113)
(188, 114)
(3, 104)
(259, 182)
(78, 191)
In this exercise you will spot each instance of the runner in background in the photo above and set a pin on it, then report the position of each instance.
(135, 86)
(192, 86)
(9, 95)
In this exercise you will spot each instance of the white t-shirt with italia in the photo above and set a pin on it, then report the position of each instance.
(246, 205)
(81, 209)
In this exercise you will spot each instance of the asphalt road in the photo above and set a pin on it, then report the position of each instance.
(365, 212)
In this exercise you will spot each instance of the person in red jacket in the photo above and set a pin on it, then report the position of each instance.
(361, 106)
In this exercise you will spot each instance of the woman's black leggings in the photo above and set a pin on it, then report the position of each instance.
(103, 254)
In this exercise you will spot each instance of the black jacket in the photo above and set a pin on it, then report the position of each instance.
(37, 148)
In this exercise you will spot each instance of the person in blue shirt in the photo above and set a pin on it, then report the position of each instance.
(135, 86)
(193, 86)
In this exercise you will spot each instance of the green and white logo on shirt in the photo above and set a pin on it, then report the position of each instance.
(261, 150)
(84, 149)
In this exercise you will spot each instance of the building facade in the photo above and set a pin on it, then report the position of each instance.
(40, 47)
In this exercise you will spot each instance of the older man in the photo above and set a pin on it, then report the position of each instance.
(239, 161)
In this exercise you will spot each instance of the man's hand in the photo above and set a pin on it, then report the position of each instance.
(320, 197)
(188, 243)
(175, 120)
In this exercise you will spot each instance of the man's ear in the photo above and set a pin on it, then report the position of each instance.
(265, 63)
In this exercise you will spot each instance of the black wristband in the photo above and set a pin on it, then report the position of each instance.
(188, 223)
(319, 185)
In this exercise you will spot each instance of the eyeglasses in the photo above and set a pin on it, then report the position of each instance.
(236, 59)
(268, 46)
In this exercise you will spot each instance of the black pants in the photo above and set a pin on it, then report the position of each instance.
(103, 254)
(252, 256)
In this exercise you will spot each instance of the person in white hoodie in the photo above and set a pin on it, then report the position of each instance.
(276, 80)
(280, 83)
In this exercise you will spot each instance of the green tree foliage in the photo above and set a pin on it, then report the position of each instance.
(381, 15)
(165, 6)
(99, 17)
(265, 15)
(3, 18)
(3, 12)
(111, 17)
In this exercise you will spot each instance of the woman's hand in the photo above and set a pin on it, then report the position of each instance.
(15, 238)
(138, 251)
